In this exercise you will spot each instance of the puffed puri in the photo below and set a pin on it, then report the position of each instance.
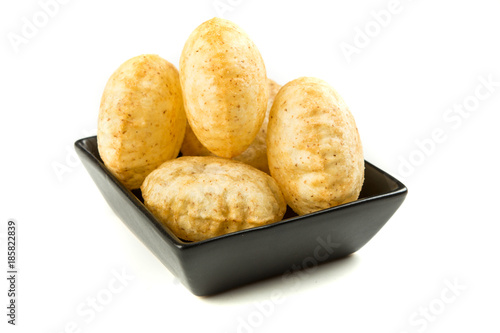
(224, 87)
(313, 146)
(200, 197)
(141, 118)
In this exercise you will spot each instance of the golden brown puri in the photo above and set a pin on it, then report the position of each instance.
(199, 197)
(313, 146)
(255, 155)
(224, 87)
(141, 119)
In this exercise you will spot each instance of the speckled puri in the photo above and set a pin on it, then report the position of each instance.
(199, 197)
(313, 147)
(224, 87)
(141, 119)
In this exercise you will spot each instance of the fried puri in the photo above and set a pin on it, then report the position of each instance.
(314, 148)
(141, 118)
(224, 87)
(200, 197)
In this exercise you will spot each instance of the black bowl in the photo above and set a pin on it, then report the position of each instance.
(224, 262)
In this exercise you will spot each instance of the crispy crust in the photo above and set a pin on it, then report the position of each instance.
(200, 197)
(223, 80)
(141, 119)
(314, 148)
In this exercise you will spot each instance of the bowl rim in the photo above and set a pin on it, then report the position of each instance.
(180, 244)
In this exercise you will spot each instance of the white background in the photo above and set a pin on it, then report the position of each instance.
(430, 56)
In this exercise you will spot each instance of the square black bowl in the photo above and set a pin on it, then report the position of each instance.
(221, 263)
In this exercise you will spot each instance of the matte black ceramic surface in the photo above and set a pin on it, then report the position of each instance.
(221, 263)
